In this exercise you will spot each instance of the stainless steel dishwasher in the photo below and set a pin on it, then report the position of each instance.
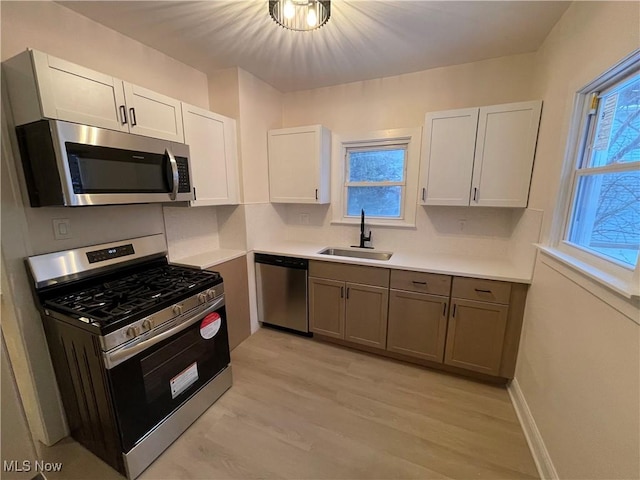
(282, 292)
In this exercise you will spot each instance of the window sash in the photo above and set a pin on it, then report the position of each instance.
(582, 170)
(375, 147)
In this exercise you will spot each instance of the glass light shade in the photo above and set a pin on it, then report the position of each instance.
(300, 15)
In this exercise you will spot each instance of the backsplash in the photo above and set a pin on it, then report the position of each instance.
(190, 231)
(478, 232)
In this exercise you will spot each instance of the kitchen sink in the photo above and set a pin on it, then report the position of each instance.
(347, 252)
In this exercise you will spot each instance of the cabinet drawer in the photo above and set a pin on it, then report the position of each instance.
(350, 273)
(483, 290)
(421, 282)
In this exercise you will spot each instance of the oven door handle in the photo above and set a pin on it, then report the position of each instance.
(111, 359)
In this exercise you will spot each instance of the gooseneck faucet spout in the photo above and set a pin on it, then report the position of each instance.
(363, 237)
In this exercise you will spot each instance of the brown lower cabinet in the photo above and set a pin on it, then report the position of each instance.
(417, 324)
(236, 296)
(475, 336)
(349, 302)
(463, 325)
(366, 315)
(326, 307)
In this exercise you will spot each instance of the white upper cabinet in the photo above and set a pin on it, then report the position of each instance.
(479, 156)
(447, 150)
(43, 86)
(152, 114)
(506, 145)
(213, 153)
(299, 165)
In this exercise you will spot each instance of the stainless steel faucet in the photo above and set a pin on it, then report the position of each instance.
(363, 237)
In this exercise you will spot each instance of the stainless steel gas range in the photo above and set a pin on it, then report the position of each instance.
(139, 346)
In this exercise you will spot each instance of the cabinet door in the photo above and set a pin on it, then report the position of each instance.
(152, 114)
(366, 315)
(73, 93)
(475, 336)
(448, 145)
(236, 297)
(505, 149)
(299, 165)
(213, 152)
(326, 307)
(417, 324)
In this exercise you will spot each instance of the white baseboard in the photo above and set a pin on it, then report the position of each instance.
(539, 451)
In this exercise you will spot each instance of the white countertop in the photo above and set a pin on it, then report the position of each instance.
(458, 265)
(208, 259)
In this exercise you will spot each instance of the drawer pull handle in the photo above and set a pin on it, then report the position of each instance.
(482, 291)
(418, 283)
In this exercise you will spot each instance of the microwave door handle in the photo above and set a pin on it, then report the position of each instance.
(174, 174)
(111, 359)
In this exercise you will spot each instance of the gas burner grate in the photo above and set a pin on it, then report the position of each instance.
(133, 293)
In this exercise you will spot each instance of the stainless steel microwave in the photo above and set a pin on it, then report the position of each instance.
(77, 165)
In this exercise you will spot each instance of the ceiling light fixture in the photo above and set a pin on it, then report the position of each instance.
(300, 15)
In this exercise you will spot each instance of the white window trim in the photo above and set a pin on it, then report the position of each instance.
(412, 137)
(623, 281)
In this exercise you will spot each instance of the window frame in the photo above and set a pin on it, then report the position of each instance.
(621, 278)
(378, 146)
(412, 138)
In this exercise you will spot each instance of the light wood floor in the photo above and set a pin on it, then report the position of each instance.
(302, 409)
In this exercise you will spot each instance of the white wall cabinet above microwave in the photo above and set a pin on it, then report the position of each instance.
(213, 152)
(43, 86)
(479, 156)
(299, 165)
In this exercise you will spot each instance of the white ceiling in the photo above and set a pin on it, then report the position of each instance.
(364, 39)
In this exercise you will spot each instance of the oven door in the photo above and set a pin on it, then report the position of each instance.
(158, 380)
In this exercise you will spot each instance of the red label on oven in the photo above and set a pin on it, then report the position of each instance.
(210, 325)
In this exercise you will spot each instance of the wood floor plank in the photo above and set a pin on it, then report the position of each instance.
(303, 409)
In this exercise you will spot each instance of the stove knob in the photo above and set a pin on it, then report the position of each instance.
(202, 297)
(147, 324)
(177, 309)
(211, 292)
(131, 332)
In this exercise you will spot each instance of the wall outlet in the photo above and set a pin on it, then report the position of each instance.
(461, 224)
(61, 228)
(304, 219)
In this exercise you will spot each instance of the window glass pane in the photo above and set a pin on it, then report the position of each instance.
(376, 165)
(617, 135)
(606, 216)
(376, 201)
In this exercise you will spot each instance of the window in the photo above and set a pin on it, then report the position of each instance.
(601, 223)
(376, 180)
(377, 172)
(605, 218)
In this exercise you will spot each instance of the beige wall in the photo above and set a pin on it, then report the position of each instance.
(401, 102)
(579, 361)
(54, 29)
(260, 111)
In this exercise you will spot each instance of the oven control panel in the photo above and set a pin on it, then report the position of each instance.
(109, 253)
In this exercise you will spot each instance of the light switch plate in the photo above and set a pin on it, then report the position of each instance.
(61, 228)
